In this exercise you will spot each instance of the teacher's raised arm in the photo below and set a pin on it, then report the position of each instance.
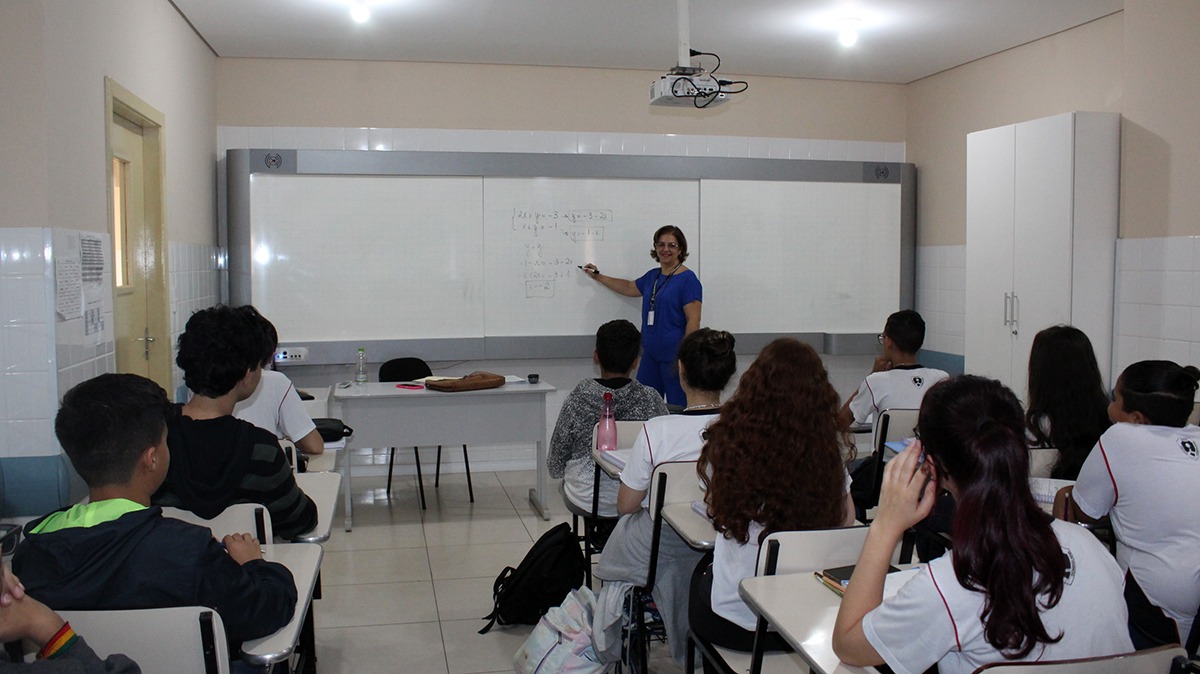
(671, 299)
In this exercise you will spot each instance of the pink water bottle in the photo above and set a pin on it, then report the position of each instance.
(606, 434)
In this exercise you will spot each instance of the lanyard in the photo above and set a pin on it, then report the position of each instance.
(654, 290)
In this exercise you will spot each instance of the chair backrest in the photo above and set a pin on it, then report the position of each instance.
(404, 369)
(812, 550)
(1153, 661)
(181, 640)
(627, 433)
(1041, 461)
(1194, 417)
(892, 425)
(681, 485)
(239, 518)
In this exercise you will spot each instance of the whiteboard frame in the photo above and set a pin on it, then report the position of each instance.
(241, 164)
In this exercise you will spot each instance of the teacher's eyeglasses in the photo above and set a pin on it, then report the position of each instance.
(666, 244)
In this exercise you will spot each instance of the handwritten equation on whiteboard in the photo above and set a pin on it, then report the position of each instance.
(576, 225)
(542, 269)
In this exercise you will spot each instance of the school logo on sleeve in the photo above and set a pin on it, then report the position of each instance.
(918, 381)
(1069, 576)
(1189, 447)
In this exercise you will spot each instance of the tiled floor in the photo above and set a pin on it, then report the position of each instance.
(405, 591)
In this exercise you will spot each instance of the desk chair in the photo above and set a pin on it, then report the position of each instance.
(1160, 660)
(410, 369)
(591, 538)
(238, 518)
(181, 640)
(890, 426)
(1041, 461)
(784, 552)
(670, 483)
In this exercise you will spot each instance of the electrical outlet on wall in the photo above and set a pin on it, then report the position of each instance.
(291, 354)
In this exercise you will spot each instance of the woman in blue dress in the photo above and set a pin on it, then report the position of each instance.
(671, 296)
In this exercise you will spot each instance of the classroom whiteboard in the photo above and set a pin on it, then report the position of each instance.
(796, 256)
(538, 231)
(367, 257)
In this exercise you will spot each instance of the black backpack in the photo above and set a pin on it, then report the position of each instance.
(552, 568)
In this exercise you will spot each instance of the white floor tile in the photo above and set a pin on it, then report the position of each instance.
(470, 653)
(475, 561)
(356, 567)
(415, 647)
(376, 604)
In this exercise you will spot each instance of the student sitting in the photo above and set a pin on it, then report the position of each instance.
(1150, 457)
(119, 552)
(275, 405)
(773, 462)
(217, 459)
(1068, 406)
(617, 345)
(706, 363)
(1018, 585)
(897, 381)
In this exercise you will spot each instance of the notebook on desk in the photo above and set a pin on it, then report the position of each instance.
(838, 577)
(617, 457)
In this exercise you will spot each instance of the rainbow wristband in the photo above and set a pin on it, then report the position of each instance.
(60, 643)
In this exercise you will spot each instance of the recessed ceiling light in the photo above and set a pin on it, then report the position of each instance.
(359, 11)
(848, 32)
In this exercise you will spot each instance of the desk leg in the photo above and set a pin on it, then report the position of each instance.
(538, 493)
(347, 500)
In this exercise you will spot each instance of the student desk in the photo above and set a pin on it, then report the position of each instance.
(322, 488)
(304, 561)
(611, 468)
(385, 416)
(695, 530)
(803, 611)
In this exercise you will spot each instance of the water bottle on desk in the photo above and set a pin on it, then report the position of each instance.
(360, 370)
(606, 434)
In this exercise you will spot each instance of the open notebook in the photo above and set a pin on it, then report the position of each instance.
(616, 457)
(1045, 488)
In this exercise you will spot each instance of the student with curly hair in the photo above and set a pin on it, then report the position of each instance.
(1018, 585)
(1068, 406)
(1144, 473)
(773, 462)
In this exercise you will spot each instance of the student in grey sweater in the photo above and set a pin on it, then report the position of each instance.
(616, 354)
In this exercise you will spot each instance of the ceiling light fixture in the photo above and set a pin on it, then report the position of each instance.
(359, 11)
(848, 32)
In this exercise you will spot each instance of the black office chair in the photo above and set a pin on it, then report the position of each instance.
(409, 369)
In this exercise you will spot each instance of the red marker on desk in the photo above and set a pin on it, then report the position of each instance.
(410, 386)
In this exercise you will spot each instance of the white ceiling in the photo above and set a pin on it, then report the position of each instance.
(900, 40)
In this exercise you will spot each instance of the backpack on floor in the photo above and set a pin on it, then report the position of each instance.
(551, 569)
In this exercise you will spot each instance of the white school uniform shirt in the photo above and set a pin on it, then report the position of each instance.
(935, 619)
(1147, 479)
(733, 562)
(275, 406)
(677, 437)
(902, 387)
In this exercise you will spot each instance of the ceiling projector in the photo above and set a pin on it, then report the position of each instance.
(687, 90)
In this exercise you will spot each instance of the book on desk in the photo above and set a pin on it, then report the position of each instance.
(838, 577)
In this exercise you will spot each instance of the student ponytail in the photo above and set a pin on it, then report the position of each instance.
(1004, 546)
(1161, 390)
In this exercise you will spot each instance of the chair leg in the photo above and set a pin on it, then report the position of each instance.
(437, 474)
(420, 482)
(467, 463)
(391, 464)
(689, 658)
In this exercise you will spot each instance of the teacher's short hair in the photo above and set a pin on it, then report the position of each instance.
(617, 345)
(673, 231)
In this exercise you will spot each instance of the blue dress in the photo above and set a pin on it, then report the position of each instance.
(660, 342)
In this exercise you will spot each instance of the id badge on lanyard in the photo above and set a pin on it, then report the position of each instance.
(650, 317)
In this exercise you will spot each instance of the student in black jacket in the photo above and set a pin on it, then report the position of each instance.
(119, 552)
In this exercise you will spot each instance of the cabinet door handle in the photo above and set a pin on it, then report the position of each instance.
(1006, 306)
(1016, 312)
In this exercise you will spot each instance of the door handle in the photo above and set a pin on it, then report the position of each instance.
(1016, 313)
(146, 341)
(1007, 298)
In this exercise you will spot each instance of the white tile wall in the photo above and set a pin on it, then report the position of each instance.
(195, 285)
(1157, 301)
(941, 281)
(562, 142)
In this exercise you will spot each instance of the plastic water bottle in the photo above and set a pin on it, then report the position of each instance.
(606, 434)
(360, 370)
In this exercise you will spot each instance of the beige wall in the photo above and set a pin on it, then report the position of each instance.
(64, 49)
(275, 92)
(1078, 69)
(1160, 143)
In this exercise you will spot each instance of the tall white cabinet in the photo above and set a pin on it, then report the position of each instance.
(1042, 209)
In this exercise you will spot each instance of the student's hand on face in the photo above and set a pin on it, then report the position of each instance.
(882, 364)
(909, 491)
(242, 547)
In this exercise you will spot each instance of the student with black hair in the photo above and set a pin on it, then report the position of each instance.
(117, 551)
(897, 380)
(617, 345)
(1018, 585)
(1144, 474)
(218, 459)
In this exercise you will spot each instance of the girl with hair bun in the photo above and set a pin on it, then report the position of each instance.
(1144, 474)
(1018, 585)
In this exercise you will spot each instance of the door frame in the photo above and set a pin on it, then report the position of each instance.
(119, 101)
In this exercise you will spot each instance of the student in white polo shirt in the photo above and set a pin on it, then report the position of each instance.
(1018, 585)
(897, 380)
(1144, 473)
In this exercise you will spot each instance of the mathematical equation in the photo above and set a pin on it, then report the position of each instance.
(577, 225)
(539, 265)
